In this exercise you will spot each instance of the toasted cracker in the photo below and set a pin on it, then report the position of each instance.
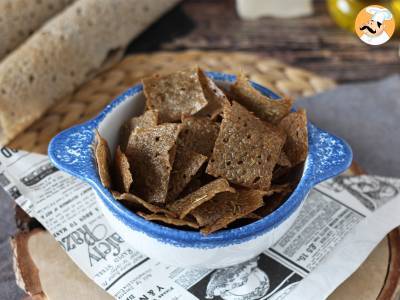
(168, 220)
(296, 146)
(263, 107)
(186, 165)
(198, 134)
(151, 154)
(122, 171)
(175, 94)
(283, 160)
(246, 149)
(214, 95)
(225, 208)
(148, 119)
(182, 207)
(103, 160)
(139, 203)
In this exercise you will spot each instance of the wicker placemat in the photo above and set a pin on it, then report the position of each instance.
(93, 96)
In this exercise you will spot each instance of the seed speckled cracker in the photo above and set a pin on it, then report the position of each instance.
(186, 165)
(175, 94)
(184, 206)
(122, 172)
(148, 119)
(296, 146)
(246, 150)
(103, 160)
(265, 108)
(225, 208)
(151, 154)
(199, 134)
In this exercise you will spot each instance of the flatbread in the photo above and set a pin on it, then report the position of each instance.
(225, 208)
(168, 220)
(182, 207)
(215, 96)
(103, 160)
(151, 154)
(122, 172)
(148, 119)
(296, 146)
(263, 107)
(246, 150)
(199, 134)
(186, 165)
(140, 204)
(283, 160)
(175, 94)
(65, 52)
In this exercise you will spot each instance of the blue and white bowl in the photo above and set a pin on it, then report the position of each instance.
(71, 151)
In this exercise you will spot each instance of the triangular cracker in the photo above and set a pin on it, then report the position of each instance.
(186, 165)
(168, 220)
(103, 160)
(175, 94)
(185, 205)
(148, 119)
(265, 108)
(246, 149)
(151, 154)
(122, 172)
(296, 146)
(225, 208)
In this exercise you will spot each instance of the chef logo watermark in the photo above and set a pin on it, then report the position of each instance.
(374, 25)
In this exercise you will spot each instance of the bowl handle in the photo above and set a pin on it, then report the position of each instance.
(70, 151)
(329, 155)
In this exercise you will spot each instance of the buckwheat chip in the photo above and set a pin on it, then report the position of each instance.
(263, 107)
(186, 165)
(174, 95)
(215, 96)
(246, 150)
(225, 208)
(148, 119)
(122, 172)
(283, 160)
(168, 220)
(139, 203)
(103, 160)
(182, 207)
(151, 154)
(198, 134)
(296, 146)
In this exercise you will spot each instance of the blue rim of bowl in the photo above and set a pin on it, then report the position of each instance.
(195, 239)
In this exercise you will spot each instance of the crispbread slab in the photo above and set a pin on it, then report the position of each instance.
(186, 165)
(65, 52)
(103, 160)
(283, 160)
(139, 204)
(151, 154)
(246, 150)
(296, 146)
(122, 172)
(148, 119)
(199, 134)
(168, 220)
(225, 208)
(263, 107)
(182, 207)
(175, 94)
(214, 95)
(21, 18)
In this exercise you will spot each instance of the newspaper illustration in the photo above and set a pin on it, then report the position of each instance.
(341, 221)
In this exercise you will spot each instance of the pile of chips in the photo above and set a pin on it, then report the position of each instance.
(204, 158)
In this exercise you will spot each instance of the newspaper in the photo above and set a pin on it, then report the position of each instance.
(341, 222)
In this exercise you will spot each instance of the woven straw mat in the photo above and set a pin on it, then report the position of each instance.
(90, 98)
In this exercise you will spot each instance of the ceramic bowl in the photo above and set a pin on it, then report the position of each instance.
(71, 151)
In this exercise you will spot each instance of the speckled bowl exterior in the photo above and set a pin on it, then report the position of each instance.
(71, 151)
